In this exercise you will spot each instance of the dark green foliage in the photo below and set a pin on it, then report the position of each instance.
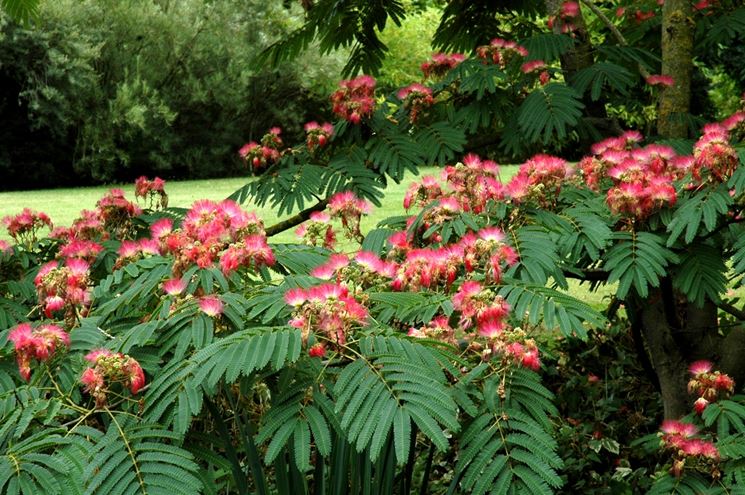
(549, 110)
(178, 100)
(508, 446)
(22, 10)
(550, 308)
(703, 209)
(601, 75)
(638, 260)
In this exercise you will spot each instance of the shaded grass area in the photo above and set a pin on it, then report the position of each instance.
(64, 205)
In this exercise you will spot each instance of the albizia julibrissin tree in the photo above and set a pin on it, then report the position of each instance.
(181, 351)
(178, 350)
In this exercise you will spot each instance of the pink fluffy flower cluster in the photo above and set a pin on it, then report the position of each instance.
(713, 152)
(318, 230)
(430, 267)
(708, 385)
(260, 155)
(539, 180)
(355, 99)
(24, 226)
(107, 369)
(416, 98)
(660, 80)
(500, 52)
(317, 135)
(328, 310)
(471, 184)
(115, 212)
(38, 343)
(564, 20)
(642, 176)
(344, 206)
(349, 208)
(441, 63)
(153, 191)
(474, 182)
(481, 308)
(63, 289)
(680, 438)
(213, 234)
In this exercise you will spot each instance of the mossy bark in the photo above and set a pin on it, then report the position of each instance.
(675, 332)
(677, 61)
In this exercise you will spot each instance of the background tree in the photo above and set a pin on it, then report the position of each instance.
(107, 91)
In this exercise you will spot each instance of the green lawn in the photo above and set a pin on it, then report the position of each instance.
(64, 205)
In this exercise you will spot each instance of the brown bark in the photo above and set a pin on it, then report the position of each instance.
(669, 364)
(677, 333)
(295, 220)
(677, 61)
(731, 352)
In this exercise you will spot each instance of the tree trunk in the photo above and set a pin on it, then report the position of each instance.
(668, 362)
(676, 333)
(677, 61)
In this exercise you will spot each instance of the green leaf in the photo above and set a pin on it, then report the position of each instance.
(707, 206)
(553, 309)
(301, 446)
(547, 46)
(440, 142)
(702, 274)
(394, 382)
(22, 10)
(538, 258)
(601, 75)
(548, 112)
(637, 260)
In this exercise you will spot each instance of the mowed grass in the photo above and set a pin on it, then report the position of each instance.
(64, 205)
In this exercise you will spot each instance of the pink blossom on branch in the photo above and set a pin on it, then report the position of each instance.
(500, 52)
(109, 368)
(38, 343)
(152, 191)
(260, 155)
(349, 208)
(24, 226)
(318, 135)
(660, 80)
(174, 286)
(327, 310)
(532, 66)
(211, 306)
(441, 63)
(355, 99)
(416, 98)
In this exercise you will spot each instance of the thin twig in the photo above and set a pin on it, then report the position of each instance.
(614, 30)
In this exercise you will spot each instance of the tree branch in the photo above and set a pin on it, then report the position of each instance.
(613, 29)
(295, 220)
(589, 275)
(724, 225)
(728, 308)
